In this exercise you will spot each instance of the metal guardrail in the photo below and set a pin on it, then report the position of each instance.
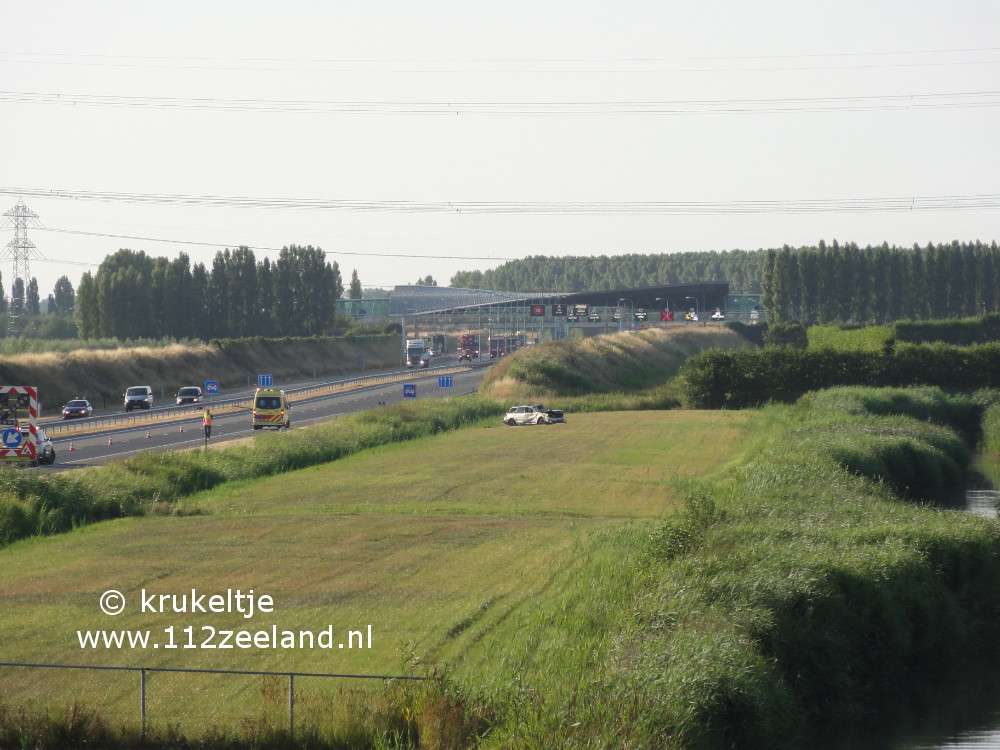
(173, 412)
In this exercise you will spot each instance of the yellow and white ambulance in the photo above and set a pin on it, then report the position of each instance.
(271, 409)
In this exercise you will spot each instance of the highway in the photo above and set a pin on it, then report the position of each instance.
(179, 429)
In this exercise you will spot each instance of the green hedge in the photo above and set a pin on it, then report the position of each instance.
(719, 379)
(957, 332)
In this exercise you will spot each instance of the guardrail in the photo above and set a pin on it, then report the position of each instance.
(173, 412)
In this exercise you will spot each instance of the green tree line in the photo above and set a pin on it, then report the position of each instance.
(820, 284)
(741, 268)
(133, 295)
(844, 283)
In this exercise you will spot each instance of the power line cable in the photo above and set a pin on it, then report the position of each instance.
(940, 100)
(802, 206)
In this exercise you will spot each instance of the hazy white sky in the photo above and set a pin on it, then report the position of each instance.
(611, 113)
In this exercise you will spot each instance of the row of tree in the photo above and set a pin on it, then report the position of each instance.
(741, 268)
(24, 299)
(820, 284)
(844, 283)
(133, 295)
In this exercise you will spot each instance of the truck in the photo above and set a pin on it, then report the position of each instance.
(468, 346)
(415, 351)
(498, 346)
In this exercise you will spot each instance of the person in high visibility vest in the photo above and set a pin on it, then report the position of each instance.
(207, 421)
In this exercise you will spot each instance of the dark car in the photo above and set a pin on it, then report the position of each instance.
(77, 408)
(189, 394)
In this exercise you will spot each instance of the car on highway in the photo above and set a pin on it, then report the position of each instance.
(138, 397)
(189, 394)
(77, 408)
(46, 453)
(533, 414)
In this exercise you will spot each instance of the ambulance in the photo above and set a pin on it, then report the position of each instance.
(271, 409)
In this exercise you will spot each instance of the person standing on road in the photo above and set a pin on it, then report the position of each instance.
(207, 421)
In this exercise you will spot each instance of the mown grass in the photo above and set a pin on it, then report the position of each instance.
(457, 548)
(36, 504)
(868, 338)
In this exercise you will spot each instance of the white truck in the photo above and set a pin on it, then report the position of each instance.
(416, 349)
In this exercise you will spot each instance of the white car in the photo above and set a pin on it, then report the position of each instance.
(533, 414)
(46, 453)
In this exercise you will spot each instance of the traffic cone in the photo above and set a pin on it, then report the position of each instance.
(71, 445)
(147, 434)
(109, 441)
(181, 429)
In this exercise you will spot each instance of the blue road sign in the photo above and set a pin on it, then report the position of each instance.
(409, 390)
(12, 438)
(444, 381)
(265, 381)
(211, 386)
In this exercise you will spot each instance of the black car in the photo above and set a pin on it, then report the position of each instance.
(77, 408)
(189, 394)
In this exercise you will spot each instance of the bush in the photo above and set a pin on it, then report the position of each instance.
(751, 377)
(786, 334)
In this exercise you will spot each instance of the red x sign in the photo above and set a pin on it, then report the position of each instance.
(667, 316)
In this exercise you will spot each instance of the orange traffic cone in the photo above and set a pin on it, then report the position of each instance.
(71, 445)
(147, 434)
(181, 429)
(109, 441)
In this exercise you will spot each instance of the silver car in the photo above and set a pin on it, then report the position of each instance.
(46, 453)
(533, 414)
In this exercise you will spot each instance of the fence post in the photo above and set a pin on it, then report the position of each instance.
(142, 702)
(291, 706)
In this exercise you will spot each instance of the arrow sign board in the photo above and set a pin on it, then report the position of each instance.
(409, 390)
(265, 381)
(12, 438)
(444, 381)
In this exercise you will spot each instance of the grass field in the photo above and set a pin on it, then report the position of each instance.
(446, 546)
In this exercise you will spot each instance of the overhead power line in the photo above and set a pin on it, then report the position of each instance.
(941, 100)
(263, 247)
(803, 206)
(621, 65)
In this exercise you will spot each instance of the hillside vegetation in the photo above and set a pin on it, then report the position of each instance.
(602, 364)
(102, 375)
(785, 584)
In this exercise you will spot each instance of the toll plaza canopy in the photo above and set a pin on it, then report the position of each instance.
(416, 300)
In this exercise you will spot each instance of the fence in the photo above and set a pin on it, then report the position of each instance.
(191, 701)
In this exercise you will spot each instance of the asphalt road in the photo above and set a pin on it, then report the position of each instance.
(97, 448)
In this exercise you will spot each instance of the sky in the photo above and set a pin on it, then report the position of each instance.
(407, 139)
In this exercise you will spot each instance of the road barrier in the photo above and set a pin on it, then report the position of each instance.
(173, 413)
